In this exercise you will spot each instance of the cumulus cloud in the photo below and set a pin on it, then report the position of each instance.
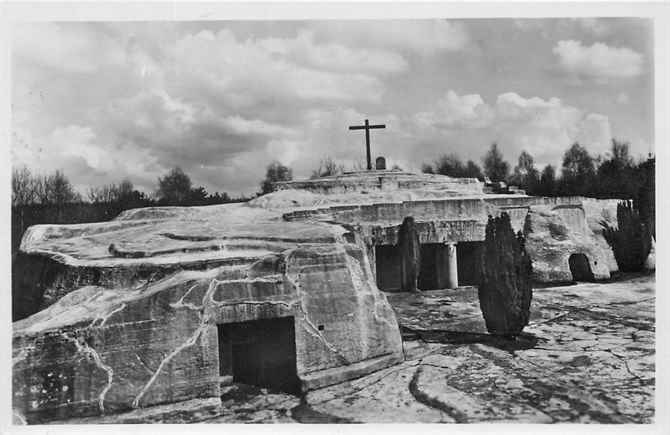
(545, 128)
(204, 100)
(221, 100)
(254, 70)
(303, 49)
(85, 158)
(419, 36)
(454, 111)
(598, 61)
(595, 26)
(67, 47)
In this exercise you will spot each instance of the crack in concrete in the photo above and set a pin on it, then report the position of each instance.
(422, 397)
(602, 316)
(358, 389)
(180, 303)
(293, 279)
(550, 320)
(146, 367)
(188, 343)
(83, 347)
(204, 323)
(625, 362)
(108, 315)
(569, 392)
(633, 302)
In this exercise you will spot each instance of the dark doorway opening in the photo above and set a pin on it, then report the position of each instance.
(261, 353)
(580, 268)
(429, 275)
(387, 262)
(467, 256)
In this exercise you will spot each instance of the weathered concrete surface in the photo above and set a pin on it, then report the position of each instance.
(587, 356)
(383, 180)
(554, 234)
(101, 350)
(128, 309)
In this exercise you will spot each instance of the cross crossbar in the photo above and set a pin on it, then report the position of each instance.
(362, 127)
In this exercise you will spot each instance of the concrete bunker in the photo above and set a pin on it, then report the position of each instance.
(260, 353)
(437, 267)
(195, 319)
(580, 268)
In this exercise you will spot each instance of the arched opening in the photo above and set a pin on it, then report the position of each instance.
(580, 268)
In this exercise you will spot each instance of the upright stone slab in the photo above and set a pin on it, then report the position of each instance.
(505, 290)
(380, 163)
(410, 255)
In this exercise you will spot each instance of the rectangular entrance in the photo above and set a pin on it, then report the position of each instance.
(431, 273)
(387, 261)
(261, 353)
(467, 254)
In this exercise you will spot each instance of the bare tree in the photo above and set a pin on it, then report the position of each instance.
(46, 189)
(23, 187)
(327, 167)
(59, 190)
(103, 194)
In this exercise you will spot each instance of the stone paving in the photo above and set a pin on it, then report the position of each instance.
(587, 356)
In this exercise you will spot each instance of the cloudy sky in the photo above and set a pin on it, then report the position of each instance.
(106, 101)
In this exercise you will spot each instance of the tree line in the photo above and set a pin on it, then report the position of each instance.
(175, 188)
(615, 175)
(52, 199)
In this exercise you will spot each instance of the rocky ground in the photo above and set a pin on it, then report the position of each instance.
(587, 356)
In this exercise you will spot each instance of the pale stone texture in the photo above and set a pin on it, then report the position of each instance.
(555, 235)
(588, 357)
(124, 313)
(128, 342)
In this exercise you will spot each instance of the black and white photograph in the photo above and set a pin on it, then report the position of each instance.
(278, 218)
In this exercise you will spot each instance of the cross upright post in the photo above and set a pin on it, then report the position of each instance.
(367, 128)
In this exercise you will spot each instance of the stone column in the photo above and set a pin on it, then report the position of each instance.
(410, 255)
(372, 258)
(452, 266)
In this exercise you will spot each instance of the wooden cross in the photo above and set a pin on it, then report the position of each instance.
(367, 128)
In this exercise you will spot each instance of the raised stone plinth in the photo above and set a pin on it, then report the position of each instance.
(382, 180)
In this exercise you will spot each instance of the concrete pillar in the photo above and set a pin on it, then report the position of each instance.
(410, 255)
(452, 266)
(372, 259)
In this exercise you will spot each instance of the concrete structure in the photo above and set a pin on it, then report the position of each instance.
(167, 304)
(450, 217)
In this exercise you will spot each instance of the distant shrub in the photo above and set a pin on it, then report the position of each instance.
(630, 240)
(505, 289)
